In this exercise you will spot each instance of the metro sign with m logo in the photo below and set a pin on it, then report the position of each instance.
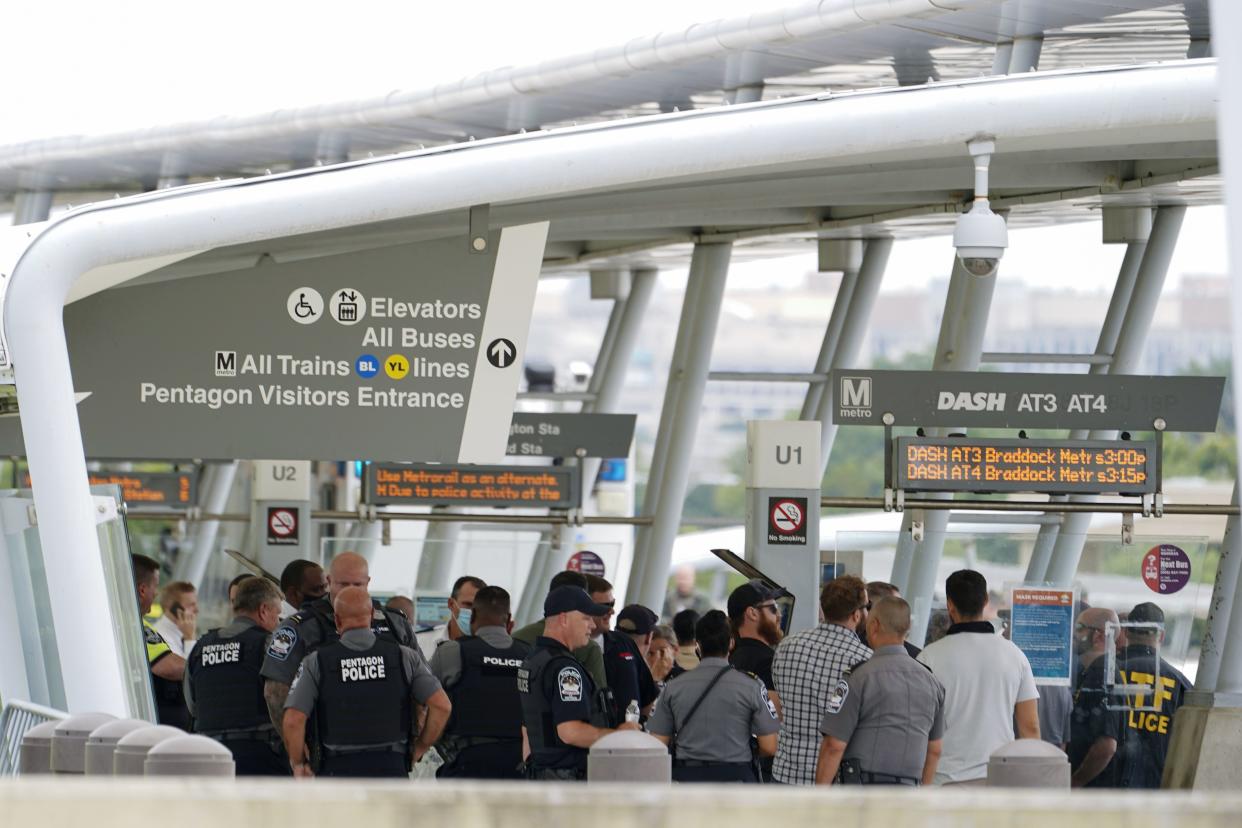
(855, 400)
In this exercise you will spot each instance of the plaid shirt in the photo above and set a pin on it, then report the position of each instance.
(807, 667)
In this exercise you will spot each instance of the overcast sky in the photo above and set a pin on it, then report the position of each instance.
(78, 67)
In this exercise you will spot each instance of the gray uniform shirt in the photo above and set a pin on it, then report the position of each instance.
(887, 710)
(305, 690)
(1055, 707)
(737, 707)
(446, 660)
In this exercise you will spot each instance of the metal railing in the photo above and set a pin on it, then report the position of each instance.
(15, 719)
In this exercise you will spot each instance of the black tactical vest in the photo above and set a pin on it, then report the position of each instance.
(228, 690)
(364, 696)
(390, 627)
(485, 698)
(546, 748)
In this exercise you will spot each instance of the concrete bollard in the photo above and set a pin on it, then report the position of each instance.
(130, 756)
(1029, 763)
(101, 744)
(629, 756)
(36, 755)
(69, 741)
(190, 756)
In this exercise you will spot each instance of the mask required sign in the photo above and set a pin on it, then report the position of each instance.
(995, 400)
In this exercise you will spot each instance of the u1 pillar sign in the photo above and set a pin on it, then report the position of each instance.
(782, 509)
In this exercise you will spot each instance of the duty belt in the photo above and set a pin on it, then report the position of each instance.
(389, 747)
(245, 734)
(851, 774)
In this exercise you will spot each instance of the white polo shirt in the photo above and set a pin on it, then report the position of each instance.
(984, 676)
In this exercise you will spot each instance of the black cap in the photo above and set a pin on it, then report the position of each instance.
(750, 594)
(1146, 613)
(570, 599)
(637, 619)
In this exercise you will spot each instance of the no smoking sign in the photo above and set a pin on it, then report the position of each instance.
(787, 520)
(282, 526)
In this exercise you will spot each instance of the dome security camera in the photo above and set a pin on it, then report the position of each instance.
(980, 237)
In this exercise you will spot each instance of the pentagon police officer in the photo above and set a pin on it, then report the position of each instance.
(709, 714)
(361, 690)
(223, 688)
(483, 739)
(313, 626)
(884, 721)
(562, 714)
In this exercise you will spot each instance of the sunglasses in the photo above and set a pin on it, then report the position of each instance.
(772, 607)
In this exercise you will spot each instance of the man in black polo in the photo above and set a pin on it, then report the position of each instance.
(483, 739)
(562, 714)
(223, 688)
(362, 690)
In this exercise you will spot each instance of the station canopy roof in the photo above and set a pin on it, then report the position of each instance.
(833, 48)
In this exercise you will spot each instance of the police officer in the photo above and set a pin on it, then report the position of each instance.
(562, 714)
(362, 690)
(708, 714)
(223, 689)
(1148, 723)
(625, 663)
(167, 668)
(483, 739)
(314, 626)
(885, 719)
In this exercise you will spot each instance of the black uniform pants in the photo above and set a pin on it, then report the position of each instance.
(373, 764)
(692, 771)
(257, 757)
(499, 760)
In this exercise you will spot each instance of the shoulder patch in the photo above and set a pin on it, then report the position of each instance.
(763, 694)
(837, 700)
(151, 636)
(569, 684)
(283, 642)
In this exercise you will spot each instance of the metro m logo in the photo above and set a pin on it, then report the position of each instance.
(226, 363)
(855, 392)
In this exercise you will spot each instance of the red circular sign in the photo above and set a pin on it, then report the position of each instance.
(586, 562)
(283, 522)
(787, 517)
(1166, 569)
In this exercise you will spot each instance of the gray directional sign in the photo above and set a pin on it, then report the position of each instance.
(570, 435)
(379, 354)
(994, 400)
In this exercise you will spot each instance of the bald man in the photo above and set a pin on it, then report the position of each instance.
(314, 626)
(1094, 728)
(885, 719)
(362, 691)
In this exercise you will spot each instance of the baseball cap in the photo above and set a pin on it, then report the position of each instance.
(636, 619)
(571, 599)
(1146, 613)
(750, 594)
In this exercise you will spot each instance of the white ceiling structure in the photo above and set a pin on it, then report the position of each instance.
(833, 49)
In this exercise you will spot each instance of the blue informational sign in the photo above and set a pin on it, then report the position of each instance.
(612, 470)
(1042, 626)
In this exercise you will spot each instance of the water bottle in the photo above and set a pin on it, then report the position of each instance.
(631, 712)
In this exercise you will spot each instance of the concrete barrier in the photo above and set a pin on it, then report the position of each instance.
(212, 803)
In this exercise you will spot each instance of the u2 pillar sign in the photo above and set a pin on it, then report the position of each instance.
(782, 509)
(280, 514)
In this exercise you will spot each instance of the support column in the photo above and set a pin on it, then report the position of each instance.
(1025, 56)
(853, 329)
(1221, 610)
(1132, 335)
(217, 485)
(668, 411)
(844, 255)
(31, 206)
(710, 266)
(435, 566)
(1106, 345)
(959, 348)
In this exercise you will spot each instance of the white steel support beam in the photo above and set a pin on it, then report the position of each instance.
(218, 480)
(959, 348)
(1045, 541)
(853, 329)
(31, 206)
(833, 253)
(1223, 606)
(710, 266)
(1131, 337)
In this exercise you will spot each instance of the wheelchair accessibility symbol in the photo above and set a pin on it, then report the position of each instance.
(305, 306)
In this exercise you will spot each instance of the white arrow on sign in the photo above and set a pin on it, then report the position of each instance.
(501, 353)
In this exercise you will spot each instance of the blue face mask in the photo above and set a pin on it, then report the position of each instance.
(463, 620)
